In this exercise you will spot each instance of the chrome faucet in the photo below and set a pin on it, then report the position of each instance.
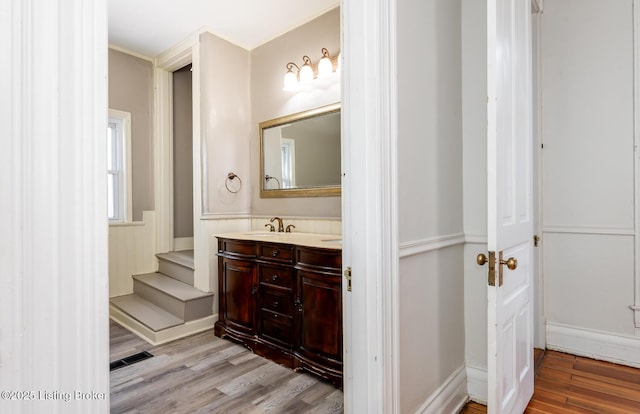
(280, 224)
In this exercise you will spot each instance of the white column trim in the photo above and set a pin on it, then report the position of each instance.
(164, 65)
(636, 159)
(163, 158)
(369, 149)
(53, 244)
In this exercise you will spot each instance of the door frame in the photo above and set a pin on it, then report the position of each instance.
(370, 236)
(539, 323)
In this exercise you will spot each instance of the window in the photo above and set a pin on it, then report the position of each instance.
(288, 147)
(119, 166)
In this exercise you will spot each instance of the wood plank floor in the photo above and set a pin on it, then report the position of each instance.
(569, 384)
(204, 374)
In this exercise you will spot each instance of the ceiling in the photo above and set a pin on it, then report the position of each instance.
(149, 27)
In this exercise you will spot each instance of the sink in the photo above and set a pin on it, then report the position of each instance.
(332, 240)
(262, 234)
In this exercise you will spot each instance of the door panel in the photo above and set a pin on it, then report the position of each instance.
(239, 287)
(510, 205)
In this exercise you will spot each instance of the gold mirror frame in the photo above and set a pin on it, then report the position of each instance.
(325, 191)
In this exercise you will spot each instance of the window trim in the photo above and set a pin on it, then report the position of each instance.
(126, 205)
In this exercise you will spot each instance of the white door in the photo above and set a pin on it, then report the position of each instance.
(510, 206)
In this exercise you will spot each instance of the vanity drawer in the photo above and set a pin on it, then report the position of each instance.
(237, 247)
(277, 252)
(277, 300)
(330, 260)
(276, 275)
(277, 326)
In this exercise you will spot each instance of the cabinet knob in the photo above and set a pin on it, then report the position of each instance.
(275, 304)
(275, 253)
(274, 277)
(275, 316)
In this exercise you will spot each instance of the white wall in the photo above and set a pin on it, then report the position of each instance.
(588, 175)
(431, 274)
(269, 101)
(474, 121)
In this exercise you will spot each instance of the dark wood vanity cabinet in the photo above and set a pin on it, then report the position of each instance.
(238, 288)
(284, 302)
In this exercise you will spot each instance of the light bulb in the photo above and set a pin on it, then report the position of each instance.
(306, 71)
(290, 78)
(290, 81)
(325, 67)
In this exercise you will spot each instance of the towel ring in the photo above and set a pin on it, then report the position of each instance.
(231, 177)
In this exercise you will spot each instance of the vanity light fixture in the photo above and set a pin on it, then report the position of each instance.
(306, 73)
(290, 78)
(325, 66)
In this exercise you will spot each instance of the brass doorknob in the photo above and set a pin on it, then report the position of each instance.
(510, 262)
(481, 259)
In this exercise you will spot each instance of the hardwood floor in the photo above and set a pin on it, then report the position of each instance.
(205, 374)
(569, 384)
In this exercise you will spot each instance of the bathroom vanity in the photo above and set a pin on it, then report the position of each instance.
(281, 296)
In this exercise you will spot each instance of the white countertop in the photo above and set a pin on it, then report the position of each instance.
(325, 241)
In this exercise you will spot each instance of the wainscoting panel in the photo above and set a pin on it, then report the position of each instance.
(132, 248)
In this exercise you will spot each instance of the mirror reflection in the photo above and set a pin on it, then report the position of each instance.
(300, 154)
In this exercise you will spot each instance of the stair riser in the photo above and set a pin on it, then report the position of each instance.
(188, 311)
(176, 271)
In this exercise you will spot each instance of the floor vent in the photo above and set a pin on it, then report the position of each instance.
(132, 359)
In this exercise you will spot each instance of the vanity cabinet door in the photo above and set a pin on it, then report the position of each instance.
(319, 319)
(238, 288)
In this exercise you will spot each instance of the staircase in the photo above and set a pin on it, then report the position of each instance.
(164, 305)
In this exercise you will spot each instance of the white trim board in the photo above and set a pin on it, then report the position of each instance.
(182, 243)
(450, 397)
(477, 386)
(604, 346)
(431, 244)
(370, 236)
(589, 230)
(636, 160)
(164, 336)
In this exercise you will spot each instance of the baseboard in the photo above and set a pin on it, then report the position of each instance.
(450, 397)
(166, 335)
(477, 384)
(183, 243)
(605, 346)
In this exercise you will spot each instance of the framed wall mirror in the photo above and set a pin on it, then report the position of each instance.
(300, 154)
